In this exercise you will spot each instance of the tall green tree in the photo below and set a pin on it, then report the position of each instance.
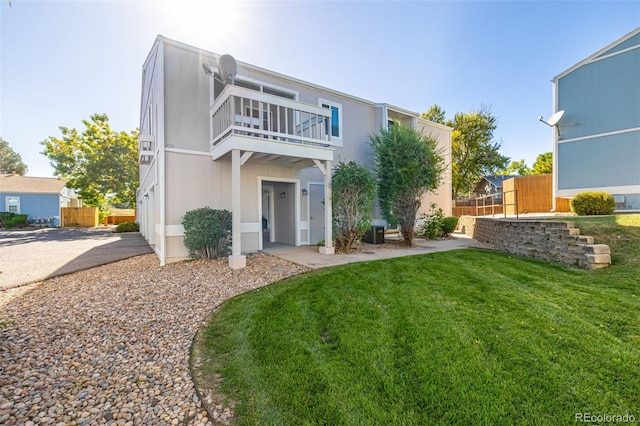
(99, 163)
(408, 164)
(353, 189)
(543, 164)
(435, 113)
(11, 161)
(516, 168)
(473, 152)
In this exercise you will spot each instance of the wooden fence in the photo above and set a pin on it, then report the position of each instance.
(79, 216)
(117, 220)
(119, 216)
(534, 195)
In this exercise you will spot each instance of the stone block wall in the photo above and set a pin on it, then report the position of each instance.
(539, 239)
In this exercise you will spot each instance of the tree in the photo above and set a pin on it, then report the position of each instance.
(408, 164)
(434, 114)
(473, 154)
(543, 164)
(11, 161)
(99, 163)
(353, 189)
(518, 168)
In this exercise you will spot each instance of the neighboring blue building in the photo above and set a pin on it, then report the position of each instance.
(597, 145)
(39, 198)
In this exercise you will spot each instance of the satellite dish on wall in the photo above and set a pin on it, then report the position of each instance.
(553, 120)
(227, 67)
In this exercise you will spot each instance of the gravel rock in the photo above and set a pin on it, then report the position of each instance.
(110, 345)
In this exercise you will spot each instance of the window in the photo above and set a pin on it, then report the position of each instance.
(13, 204)
(334, 127)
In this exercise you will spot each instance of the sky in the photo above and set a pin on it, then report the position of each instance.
(62, 61)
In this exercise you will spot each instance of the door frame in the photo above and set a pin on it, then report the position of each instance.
(296, 213)
(271, 220)
(309, 183)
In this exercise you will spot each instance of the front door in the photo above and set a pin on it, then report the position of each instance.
(316, 213)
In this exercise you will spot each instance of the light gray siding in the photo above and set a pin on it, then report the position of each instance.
(175, 108)
(187, 101)
(600, 162)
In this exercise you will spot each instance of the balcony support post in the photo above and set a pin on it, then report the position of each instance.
(328, 213)
(236, 260)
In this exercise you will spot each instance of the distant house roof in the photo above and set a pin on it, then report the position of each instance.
(30, 185)
(494, 180)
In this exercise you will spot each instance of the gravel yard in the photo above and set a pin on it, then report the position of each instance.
(110, 345)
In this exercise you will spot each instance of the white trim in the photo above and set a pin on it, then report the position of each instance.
(296, 182)
(619, 52)
(267, 72)
(601, 135)
(161, 163)
(188, 152)
(594, 57)
(254, 144)
(626, 189)
(335, 140)
(309, 183)
(250, 227)
(174, 231)
(554, 156)
(262, 84)
(6, 201)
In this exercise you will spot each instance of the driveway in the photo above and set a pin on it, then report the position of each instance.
(34, 254)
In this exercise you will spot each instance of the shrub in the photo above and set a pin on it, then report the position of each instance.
(10, 220)
(353, 190)
(449, 225)
(207, 232)
(432, 227)
(5, 217)
(593, 203)
(128, 227)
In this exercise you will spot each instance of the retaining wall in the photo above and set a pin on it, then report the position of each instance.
(539, 239)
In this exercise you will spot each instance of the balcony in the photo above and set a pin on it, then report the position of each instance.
(146, 149)
(270, 125)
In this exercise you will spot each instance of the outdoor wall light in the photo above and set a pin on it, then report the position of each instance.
(304, 192)
(282, 195)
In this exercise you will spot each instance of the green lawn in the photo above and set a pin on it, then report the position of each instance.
(462, 337)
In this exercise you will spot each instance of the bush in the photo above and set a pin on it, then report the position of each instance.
(207, 233)
(5, 217)
(353, 190)
(128, 227)
(432, 227)
(593, 203)
(10, 220)
(436, 225)
(449, 225)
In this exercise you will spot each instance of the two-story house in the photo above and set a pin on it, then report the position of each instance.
(255, 142)
(597, 142)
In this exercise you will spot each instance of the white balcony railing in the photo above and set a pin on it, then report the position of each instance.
(246, 112)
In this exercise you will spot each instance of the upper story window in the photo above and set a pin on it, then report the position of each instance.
(334, 127)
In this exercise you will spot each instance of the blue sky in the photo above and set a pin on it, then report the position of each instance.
(62, 61)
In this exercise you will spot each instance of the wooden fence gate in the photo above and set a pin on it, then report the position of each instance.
(79, 216)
